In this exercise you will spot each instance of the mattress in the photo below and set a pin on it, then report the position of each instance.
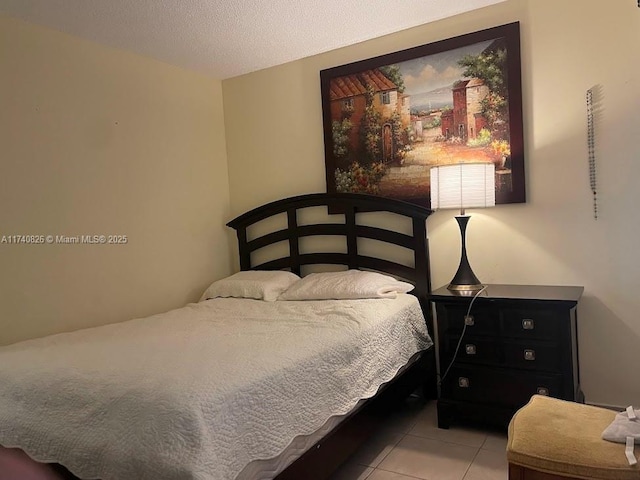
(203, 391)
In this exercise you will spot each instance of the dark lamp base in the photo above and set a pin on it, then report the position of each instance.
(465, 279)
(458, 288)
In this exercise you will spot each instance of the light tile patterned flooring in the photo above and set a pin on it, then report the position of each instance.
(409, 445)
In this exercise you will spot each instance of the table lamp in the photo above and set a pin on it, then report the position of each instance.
(463, 185)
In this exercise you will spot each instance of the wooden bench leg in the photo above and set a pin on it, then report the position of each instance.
(516, 472)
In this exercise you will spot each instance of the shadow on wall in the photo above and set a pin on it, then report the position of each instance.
(608, 355)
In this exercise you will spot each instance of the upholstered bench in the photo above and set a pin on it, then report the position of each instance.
(555, 439)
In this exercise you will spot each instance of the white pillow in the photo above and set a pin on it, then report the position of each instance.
(349, 284)
(258, 284)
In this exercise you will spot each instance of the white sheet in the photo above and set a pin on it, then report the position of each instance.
(199, 392)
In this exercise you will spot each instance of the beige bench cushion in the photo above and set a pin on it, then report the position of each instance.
(565, 438)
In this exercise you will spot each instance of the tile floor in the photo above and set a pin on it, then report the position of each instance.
(409, 445)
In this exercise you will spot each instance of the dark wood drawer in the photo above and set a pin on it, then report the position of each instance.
(532, 323)
(473, 349)
(503, 387)
(533, 355)
(484, 321)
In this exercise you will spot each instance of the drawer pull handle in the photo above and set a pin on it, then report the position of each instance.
(528, 324)
(543, 391)
(468, 320)
(463, 382)
(529, 354)
(470, 348)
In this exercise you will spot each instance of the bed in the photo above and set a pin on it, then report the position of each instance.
(133, 396)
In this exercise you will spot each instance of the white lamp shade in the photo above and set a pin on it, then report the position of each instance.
(463, 185)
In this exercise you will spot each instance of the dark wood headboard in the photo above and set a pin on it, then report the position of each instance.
(349, 205)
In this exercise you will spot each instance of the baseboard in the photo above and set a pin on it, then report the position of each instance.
(608, 407)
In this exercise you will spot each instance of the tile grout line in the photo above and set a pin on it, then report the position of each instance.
(446, 441)
(473, 460)
(398, 473)
(382, 459)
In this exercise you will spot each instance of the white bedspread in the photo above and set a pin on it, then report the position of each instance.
(199, 392)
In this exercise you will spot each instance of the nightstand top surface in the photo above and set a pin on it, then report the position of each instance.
(516, 292)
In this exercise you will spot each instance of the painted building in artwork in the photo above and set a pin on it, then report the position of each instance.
(476, 91)
(447, 123)
(465, 119)
(423, 122)
(348, 100)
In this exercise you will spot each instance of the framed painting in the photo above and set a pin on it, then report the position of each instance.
(389, 119)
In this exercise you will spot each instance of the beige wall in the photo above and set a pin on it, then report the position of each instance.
(273, 121)
(97, 141)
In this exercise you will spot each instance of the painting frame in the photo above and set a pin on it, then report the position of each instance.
(354, 133)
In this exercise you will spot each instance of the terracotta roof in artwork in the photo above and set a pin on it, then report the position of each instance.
(460, 84)
(475, 82)
(356, 84)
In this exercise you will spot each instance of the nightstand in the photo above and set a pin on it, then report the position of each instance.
(519, 340)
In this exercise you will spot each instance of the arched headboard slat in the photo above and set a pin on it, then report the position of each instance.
(349, 205)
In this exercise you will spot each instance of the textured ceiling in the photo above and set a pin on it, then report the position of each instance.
(226, 38)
